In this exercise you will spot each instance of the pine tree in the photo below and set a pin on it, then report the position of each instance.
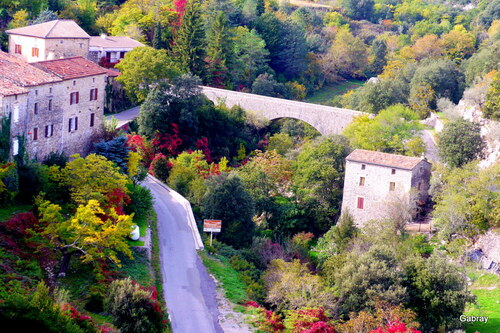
(157, 40)
(188, 48)
(218, 51)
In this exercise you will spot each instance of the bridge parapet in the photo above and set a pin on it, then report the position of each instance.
(326, 119)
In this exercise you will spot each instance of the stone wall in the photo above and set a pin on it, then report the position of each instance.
(327, 120)
(50, 48)
(378, 199)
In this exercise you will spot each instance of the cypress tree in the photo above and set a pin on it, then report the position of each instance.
(188, 48)
(157, 40)
(218, 51)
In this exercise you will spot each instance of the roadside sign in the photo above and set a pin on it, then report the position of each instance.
(212, 225)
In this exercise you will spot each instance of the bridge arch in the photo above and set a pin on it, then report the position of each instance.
(326, 119)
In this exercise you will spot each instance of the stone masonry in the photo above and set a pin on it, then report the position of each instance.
(376, 183)
(326, 119)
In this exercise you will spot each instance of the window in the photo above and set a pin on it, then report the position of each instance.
(393, 171)
(73, 124)
(361, 203)
(74, 98)
(15, 147)
(93, 80)
(50, 90)
(49, 131)
(419, 185)
(74, 82)
(122, 55)
(35, 133)
(93, 94)
(361, 181)
(15, 117)
(35, 51)
(50, 105)
(363, 166)
(392, 186)
(36, 108)
(92, 119)
(81, 45)
(36, 92)
(17, 49)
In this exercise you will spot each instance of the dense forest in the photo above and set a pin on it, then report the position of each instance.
(284, 252)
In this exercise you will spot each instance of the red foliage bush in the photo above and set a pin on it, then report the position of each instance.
(160, 166)
(140, 145)
(395, 327)
(202, 144)
(312, 320)
(167, 143)
(19, 223)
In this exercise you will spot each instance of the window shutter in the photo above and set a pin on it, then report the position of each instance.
(76, 123)
(35, 133)
(92, 116)
(96, 93)
(91, 94)
(47, 131)
(70, 98)
(77, 97)
(361, 202)
(70, 123)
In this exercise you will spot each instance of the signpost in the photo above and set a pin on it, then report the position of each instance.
(212, 226)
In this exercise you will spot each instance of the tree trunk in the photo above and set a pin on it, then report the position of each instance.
(66, 257)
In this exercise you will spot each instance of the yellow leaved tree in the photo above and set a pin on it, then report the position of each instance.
(92, 233)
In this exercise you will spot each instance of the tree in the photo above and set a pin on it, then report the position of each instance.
(172, 107)
(45, 15)
(378, 54)
(115, 151)
(218, 52)
(482, 62)
(427, 46)
(250, 56)
(290, 285)
(387, 132)
(437, 291)
(230, 202)
(458, 44)
(281, 143)
(491, 108)
(335, 240)
(318, 179)
(460, 142)
(93, 177)
(347, 57)
(93, 233)
(444, 78)
(358, 9)
(266, 85)
(143, 67)
(370, 277)
(286, 43)
(134, 308)
(189, 42)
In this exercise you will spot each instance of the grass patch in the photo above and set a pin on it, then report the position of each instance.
(142, 222)
(137, 269)
(488, 304)
(486, 280)
(326, 94)
(230, 278)
(7, 212)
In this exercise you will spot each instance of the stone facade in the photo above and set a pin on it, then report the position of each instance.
(376, 183)
(56, 106)
(48, 49)
(326, 119)
(56, 39)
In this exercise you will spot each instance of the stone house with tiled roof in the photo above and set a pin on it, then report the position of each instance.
(55, 105)
(377, 182)
(110, 49)
(50, 40)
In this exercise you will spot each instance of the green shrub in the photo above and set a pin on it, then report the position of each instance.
(141, 200)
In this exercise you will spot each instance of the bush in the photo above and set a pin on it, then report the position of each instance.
(115, 150)
(54, 158)
(141, 200)
(460, 142)
(134, 308)
(160, 167)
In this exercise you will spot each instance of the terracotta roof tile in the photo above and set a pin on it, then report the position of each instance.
(15, 71)
(8, 88)
(71, 68)
(114, 42)
(385, 159)
(52, 29)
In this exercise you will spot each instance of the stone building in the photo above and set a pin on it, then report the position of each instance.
(50, 40)
(55, 105)
(110, 49)
(378, 184)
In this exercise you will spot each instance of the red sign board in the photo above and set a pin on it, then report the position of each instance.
(212, 225)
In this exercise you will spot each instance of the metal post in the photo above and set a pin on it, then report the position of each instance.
(211, 233)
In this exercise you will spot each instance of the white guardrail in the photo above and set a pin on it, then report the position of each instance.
(198, 243)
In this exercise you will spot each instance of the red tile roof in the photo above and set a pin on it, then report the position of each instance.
(114, 42)
(16, 74)
(385, 159)
(71, 68)
(52, 29)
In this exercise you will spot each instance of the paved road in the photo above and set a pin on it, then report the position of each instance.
(189, 290)
(432, 151)
(126, 116)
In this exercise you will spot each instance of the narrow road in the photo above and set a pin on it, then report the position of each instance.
(126, 116)
(432, 151)
(189, 291)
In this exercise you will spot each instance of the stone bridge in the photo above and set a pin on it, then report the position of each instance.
(326, 119)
